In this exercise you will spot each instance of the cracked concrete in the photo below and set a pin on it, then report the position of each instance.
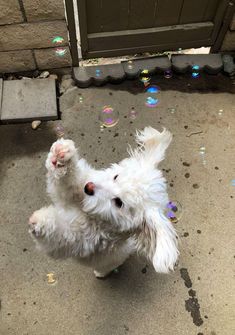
(196, 299)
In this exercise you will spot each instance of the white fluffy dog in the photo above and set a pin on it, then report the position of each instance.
(103, 216)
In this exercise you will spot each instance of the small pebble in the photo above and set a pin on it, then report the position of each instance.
(195, 186)
(35, 124)
(44, 74)
(53, 76)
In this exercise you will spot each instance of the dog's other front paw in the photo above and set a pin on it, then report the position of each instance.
(36, 224)
(42, 222)
(60, 155)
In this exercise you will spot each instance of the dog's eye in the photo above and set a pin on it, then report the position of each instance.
(118, 202)
(115, 177)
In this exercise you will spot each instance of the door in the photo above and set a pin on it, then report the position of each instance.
(119, 27)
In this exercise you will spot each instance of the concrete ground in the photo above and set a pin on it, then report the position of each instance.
(198, 298)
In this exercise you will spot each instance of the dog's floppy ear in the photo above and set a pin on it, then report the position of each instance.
(158, 241)
(154, 143)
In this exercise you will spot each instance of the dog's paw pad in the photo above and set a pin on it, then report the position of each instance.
(61, 152)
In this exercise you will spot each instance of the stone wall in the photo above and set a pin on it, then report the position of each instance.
(27, 30)
(229, 40)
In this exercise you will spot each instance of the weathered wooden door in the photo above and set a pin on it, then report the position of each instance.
(119, 27)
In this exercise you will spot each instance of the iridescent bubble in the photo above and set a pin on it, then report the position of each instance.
(59, 130)
(220, 112)
(202, 150)
(57, 40)
(152, 89)
(60, 52)
(168, 74)
(132, 114)
(130, 65)
(151, 102)
(108, 116)
(173, 211)
(80, 99)
(98, 72)
(195, 75)
(202, 153)
(195, 71)
(172, 110)
(144, 77)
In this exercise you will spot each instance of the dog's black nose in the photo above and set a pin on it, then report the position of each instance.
(89, 188)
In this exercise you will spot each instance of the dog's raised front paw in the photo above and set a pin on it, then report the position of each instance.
(60, 154)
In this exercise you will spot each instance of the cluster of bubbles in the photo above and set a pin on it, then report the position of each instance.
(173, 211)
(57, 42)
(109, 117)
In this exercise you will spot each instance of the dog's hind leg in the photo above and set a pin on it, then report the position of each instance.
(109, 261)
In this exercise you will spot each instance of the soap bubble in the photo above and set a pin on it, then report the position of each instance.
(98, 73)
(151, 97)
(168, 74)
(130, 65)
(172, 110)
(60, 52)
(132, 114)
(59, 130)
(58, 40)
(202, 150)
(173, 211)
(151, 102)
(152, 89)
(108, 116)
(202, 153)
(145, 77)
(195, 71)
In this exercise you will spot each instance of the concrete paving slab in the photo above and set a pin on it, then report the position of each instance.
(29, 99)
(137, 301)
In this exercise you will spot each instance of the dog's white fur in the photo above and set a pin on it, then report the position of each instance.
(91, 227)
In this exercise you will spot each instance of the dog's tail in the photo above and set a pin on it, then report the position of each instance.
(154, 143)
